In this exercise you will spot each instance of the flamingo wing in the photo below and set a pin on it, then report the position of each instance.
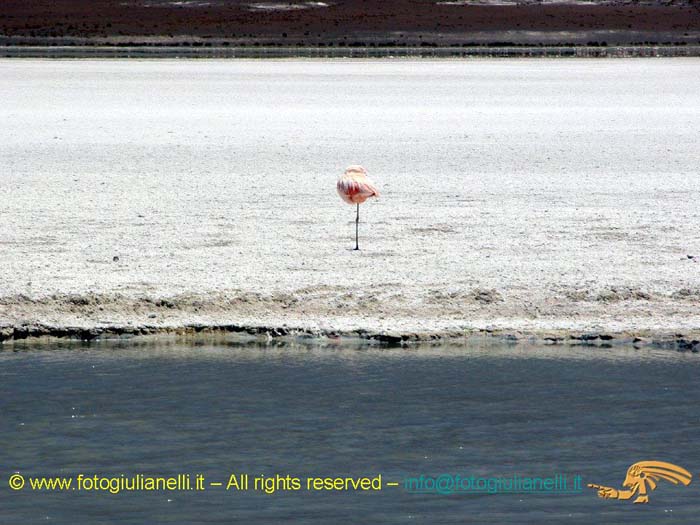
(355, 192)
(352, 190)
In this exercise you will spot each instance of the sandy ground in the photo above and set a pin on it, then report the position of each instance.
(530, 196)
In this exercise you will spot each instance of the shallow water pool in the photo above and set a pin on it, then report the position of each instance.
(213, 409)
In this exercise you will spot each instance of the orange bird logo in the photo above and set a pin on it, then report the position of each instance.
(642, 478)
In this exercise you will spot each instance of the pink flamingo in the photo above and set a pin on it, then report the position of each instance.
(355, 188)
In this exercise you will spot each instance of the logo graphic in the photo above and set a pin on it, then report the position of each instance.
(642, 477)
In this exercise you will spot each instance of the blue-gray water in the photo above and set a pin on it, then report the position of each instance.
(216, 408)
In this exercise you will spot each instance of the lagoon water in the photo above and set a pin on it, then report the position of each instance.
(216, 407)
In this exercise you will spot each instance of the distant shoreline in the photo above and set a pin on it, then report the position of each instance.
(277, 52)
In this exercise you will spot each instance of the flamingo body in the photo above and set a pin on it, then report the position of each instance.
(354, 187)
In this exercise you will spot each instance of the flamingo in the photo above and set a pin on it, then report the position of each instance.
(355, 188)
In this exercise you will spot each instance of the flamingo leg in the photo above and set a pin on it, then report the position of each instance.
(357, 228)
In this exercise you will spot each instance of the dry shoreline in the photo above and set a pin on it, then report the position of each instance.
(151, 197)
(284, 317)
(37, 333)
